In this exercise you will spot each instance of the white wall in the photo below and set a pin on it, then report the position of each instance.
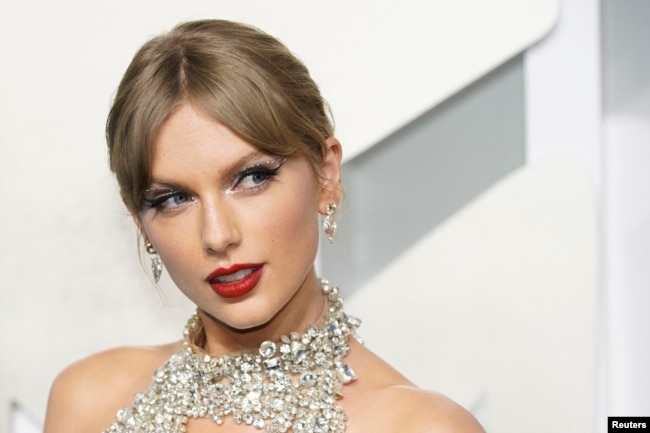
(626, 216)
(564, 120)
(515, 273)
(496, 306)
(589, 98)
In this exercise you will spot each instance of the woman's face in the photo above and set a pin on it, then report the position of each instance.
(237, 229)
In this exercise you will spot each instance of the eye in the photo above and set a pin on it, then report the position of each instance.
(257, 176)
(253, 180)
(165, 200)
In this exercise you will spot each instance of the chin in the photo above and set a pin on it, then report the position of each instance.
(249, 318)
(247, 326)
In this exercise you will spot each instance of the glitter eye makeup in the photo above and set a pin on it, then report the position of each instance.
(256, 176)
(247, 179)
(164, 199)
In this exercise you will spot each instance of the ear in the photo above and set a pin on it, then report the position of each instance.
(331, 188)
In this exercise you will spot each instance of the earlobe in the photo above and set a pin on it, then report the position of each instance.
(331, 188)
(156, 261)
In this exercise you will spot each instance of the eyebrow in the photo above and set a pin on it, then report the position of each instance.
(228, 174)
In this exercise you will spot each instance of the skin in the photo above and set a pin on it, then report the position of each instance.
(222, 222)
(216, 222)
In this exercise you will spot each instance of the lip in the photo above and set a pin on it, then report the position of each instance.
(237, 288)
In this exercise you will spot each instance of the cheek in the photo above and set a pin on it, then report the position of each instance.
(299, 226)
(176, 243)
(294, 218)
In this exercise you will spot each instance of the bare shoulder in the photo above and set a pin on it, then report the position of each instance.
(86, 395)
(426, 411)
(385, 400)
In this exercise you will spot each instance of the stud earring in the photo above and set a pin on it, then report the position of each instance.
(329, 222)
(156, 262)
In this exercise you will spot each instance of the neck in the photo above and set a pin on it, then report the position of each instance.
(305, 308)
(291, 383)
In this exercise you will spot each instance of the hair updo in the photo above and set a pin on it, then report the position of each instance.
(240, 76)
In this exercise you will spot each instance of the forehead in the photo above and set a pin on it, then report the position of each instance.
(189, 138)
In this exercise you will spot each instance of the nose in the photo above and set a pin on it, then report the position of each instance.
(219, 229)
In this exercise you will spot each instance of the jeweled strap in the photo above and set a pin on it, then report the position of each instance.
(286, 385)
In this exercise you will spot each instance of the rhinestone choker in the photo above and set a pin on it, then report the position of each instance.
(289, 385)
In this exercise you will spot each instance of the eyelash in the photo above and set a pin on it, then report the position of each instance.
(157, 202)
(256, 170)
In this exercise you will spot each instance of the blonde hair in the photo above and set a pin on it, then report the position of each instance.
(242, 77)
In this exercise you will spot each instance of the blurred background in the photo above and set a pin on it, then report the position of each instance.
(495, 237)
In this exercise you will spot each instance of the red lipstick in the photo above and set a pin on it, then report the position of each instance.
(236, 280)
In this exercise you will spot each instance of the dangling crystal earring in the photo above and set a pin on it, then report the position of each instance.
(156, 262)
(329, 222)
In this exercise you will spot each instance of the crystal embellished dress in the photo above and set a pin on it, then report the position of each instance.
(289, 385)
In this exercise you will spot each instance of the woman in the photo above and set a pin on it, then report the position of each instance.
(225, 157)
